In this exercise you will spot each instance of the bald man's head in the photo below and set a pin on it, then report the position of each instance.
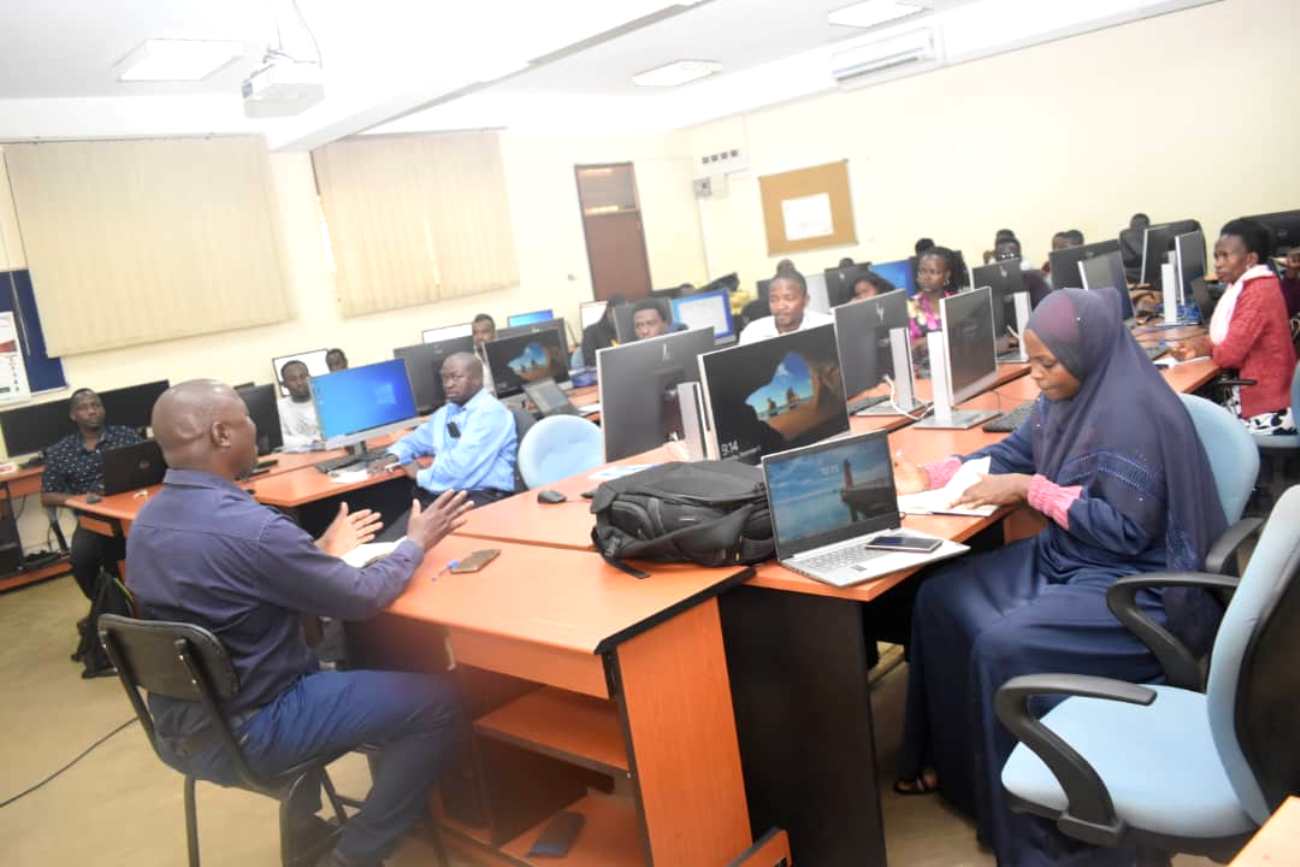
(204, 425)
(462, 377)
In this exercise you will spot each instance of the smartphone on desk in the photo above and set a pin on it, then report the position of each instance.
(476, 561)
(907, 544)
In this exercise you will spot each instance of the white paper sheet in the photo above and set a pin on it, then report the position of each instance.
(807, 217)
(939, 501)
(13, 372)
(371, 551)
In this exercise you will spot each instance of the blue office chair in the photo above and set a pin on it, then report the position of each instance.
(576, 361)
(559, 447)
(1167, 769)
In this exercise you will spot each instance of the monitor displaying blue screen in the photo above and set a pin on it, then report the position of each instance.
(706, 310)
(529, 318)
(900, 273)
(362, 399)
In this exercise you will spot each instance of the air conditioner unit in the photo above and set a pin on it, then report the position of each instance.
(899, 53)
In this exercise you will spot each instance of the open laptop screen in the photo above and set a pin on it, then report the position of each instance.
(830, 492)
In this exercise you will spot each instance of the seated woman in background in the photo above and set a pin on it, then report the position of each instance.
(1120, 497)
(870, 284)
(1249, 331)
(939, 272)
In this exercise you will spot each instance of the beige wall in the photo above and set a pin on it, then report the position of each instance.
(1186, 115)
(548, 235)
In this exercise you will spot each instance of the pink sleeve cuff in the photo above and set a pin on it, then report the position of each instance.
(1053, 500)
(940, 472)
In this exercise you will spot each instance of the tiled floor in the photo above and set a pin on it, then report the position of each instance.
(121, 806)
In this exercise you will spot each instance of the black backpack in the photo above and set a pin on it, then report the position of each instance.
(111, 597)
(713, 513)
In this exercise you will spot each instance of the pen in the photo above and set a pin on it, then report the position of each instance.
(451, 564)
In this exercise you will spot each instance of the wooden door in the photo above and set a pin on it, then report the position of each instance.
(611, 221)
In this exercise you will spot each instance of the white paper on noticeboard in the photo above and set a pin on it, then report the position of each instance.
(13, 372)
(808, 217)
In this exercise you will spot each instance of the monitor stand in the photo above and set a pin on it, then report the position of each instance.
(905, 402)
(944, 416)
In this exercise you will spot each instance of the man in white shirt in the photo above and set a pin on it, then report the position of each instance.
(298, 425)
(787, 300)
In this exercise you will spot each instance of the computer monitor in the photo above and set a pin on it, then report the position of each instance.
(526, 358)
(132, 406)
(1285, 226)
(902, 273)
(447, 332)
(862, 336)
(1189, 262)
(1107, 272)
(839, 283)
(624, 327)
(261, 401)
(1005, 278)
(775, 394)
(556, 325)
(314, 359)
(968, 337)
(1065, 263)
(706, 310)
(1157, 243)
(638, 389)
(529, 318)
(589, 313)
(34, 428)
(424, 368)
(667, 294)
(356, 404)
(762, 287)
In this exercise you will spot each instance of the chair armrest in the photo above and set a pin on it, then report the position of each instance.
(1181, 668)
(1089, 814)
(1226, 546)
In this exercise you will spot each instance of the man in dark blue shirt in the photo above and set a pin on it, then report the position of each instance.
(75, 465)
(203, 551)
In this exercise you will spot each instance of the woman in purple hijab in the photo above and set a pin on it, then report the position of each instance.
(1109, 456)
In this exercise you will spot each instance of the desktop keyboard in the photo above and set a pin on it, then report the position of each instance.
(1009, 421)
(351, 460)
(867, 403)
(848, 556)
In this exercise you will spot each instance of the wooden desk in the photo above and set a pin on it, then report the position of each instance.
(1277, 843)
(579, 675)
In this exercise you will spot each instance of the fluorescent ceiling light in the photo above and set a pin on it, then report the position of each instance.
(677, 73)
(872, 13)
(177, 59)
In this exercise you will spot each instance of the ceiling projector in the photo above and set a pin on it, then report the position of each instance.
(283, 87)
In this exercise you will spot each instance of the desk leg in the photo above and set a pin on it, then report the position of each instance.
(798, 667)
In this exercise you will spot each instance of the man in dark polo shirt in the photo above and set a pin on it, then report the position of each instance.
(75, 465)
(203, 551)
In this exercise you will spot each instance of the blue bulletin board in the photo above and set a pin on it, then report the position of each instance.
(43, 373)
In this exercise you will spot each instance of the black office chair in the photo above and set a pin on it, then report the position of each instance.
(187, 662)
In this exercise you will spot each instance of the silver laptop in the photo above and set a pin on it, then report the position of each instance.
(832, 499)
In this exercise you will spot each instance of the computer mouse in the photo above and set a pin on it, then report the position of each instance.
(550, 497)
(93, 498)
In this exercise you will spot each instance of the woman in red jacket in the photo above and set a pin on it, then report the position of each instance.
(1249, 331)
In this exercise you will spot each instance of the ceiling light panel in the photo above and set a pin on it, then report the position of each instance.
(677, 73)
(873, 13)
(177, 59)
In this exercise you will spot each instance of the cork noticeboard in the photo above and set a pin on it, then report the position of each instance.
(808, 208)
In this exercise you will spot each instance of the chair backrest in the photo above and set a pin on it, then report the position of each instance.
(524, 422)
(1237, 696)
(558, 447)
(1234, 457)
(576, 361)
(147, 655)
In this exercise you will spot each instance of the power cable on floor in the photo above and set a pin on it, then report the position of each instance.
(87, 751)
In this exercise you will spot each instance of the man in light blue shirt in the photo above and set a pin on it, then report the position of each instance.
(471, 438)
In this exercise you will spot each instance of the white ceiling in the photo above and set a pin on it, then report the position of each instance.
(399, 65)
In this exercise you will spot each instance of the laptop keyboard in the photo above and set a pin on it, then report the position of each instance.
(867, 403)
(1155, 351)
(849, 556)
